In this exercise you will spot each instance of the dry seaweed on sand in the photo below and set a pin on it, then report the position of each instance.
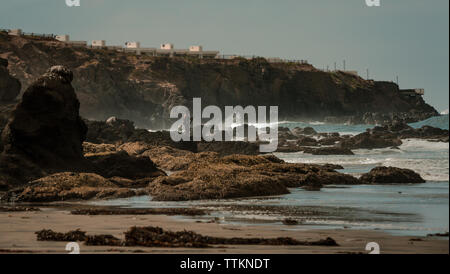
(157, 237)
(103, 240)
(18, 209)
(71, 236)
(139, 211)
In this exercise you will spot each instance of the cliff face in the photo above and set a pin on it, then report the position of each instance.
(143, 89)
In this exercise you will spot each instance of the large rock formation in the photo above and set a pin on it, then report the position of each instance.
(45, 126)
(44, 135)
(144, 89)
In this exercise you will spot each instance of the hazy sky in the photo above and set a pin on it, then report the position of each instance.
(408, 38)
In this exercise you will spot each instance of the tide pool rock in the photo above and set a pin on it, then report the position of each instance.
(391, 175)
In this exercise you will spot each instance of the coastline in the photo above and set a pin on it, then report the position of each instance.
(17, 235)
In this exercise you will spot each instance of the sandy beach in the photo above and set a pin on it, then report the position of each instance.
(17, 235)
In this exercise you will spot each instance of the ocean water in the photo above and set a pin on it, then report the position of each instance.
(415, 210)
(440, 122)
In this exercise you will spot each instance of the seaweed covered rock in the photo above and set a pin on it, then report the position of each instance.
(237, 176)
(304, 131)
(68, 186)
(391, 175)
(368, 140)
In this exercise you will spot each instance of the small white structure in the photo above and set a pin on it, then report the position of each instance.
(133, 45)
(66, 39)
(196, 48)
(420, 91)
(15, 32)
(167, 46)
(62, 38)
(99, 43)
(413, 92)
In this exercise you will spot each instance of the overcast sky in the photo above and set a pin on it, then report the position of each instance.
(408, 38)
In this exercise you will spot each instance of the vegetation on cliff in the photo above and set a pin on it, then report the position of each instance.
(144, 89)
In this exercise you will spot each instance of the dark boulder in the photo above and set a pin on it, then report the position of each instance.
(110, 131)
(285, 134)
(429, 131)
(306, 141)
(329, 141)
(45, 126)
(313, 183)
(366, 140)
(121, 164)
(228, 148)
(303, 131)
(44, 133)
(391, 175)
(328, 151)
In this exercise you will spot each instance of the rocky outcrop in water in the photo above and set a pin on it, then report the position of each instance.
(383, 118)
(404, 131)
(328, 151)
(237, 176)
(367, 140)
(391, 175)
(387, 136)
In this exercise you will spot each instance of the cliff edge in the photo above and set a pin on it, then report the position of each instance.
(144, 89)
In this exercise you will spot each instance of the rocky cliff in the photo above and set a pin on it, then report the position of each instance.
(143, 89)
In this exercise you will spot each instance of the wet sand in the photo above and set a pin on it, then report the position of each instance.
(17, 235)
